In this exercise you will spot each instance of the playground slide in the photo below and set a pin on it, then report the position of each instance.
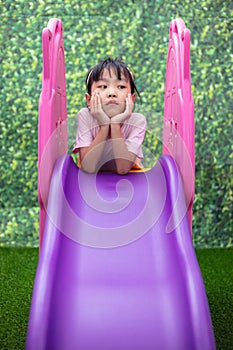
(116, 273)
(117, 267)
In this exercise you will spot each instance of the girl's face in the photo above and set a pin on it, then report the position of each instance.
(112, 92)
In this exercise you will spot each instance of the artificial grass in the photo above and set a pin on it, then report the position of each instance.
(18, 267)
(217, 272)
(17, 272)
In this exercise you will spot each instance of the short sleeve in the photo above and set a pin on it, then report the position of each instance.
(86, 130)
(134, 131)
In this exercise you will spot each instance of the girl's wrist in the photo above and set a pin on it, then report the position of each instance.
(104, 126)
(115, 126)
(115, 130)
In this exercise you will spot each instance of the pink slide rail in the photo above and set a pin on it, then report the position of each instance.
(178, 132)
(52, 127)
(178, 135)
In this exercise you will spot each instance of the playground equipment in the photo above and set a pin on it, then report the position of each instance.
(117, 267)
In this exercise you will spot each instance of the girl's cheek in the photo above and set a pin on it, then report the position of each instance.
(100, 99)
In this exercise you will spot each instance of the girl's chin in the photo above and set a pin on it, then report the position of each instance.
(113, 110)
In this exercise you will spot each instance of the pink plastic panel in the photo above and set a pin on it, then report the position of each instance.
(52, 128)
(178, 136)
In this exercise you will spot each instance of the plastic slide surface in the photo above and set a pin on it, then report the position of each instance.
(116, 273)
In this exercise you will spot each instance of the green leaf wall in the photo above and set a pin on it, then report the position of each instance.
(137, 32)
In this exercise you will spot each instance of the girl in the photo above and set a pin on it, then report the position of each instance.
(110, 134)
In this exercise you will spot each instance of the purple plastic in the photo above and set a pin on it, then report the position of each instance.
(117, 267)
(147, 294)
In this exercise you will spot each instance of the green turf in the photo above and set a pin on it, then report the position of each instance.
(217, 271)
(17, 274)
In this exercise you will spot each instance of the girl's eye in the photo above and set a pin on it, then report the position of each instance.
(121, 87)
(102, 86)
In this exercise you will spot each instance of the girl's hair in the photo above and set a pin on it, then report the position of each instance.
(118, 66)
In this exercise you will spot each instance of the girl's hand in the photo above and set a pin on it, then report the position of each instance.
(97, 111)
(120, 118)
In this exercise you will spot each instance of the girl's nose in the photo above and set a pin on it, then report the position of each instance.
(112, 92)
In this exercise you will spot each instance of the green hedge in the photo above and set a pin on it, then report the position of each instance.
(137, 32)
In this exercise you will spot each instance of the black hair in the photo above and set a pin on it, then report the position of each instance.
(119, 67)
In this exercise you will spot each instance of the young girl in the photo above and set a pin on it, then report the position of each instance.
(110, 134)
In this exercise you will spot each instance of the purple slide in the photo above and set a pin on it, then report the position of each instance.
(117, 267)
(138, 289)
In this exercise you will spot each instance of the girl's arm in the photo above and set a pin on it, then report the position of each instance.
(91, 156)
(123, 158)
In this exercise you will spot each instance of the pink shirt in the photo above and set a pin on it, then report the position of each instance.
(133, 131)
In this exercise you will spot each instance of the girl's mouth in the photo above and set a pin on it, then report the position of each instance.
(112, 102)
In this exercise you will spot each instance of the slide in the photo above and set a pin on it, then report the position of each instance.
(118, 280)
(117, 267)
